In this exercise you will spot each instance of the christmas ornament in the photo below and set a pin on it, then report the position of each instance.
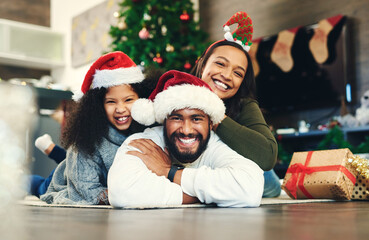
(124, 38)
(158, 59)
(144, 34)
(184, 16)
(281, 52)
(169, 48)
(187, 66)
(318, 44)
(122, 25)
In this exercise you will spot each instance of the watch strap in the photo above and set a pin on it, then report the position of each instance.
(172, 172)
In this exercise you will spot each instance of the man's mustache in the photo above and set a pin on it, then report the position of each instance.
(181, 135)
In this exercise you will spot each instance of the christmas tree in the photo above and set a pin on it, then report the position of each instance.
(162, 33)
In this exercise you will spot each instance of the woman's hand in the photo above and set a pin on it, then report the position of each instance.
(155, 159)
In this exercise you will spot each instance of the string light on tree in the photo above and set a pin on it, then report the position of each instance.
(147, 17)
(164, 30)
(116, 14)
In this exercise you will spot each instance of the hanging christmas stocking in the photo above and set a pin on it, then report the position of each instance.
(318, 44)
(281, 52)
(253, 51)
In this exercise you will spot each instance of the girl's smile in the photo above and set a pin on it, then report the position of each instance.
(118, 102)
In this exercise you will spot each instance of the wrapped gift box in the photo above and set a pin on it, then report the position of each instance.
(361, 189)
(320, 174)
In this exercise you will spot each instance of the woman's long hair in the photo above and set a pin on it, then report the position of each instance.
(87, 124)
(248, 85)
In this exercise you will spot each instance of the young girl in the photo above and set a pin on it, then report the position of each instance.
(101, 123)
(226, 67)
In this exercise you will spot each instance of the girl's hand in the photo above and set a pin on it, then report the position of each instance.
(155, 159)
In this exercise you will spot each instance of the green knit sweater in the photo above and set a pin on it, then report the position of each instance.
(250, 136)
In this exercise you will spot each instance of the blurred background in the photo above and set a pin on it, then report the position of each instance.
(48, 46)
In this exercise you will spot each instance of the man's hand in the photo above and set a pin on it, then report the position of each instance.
(152, 156)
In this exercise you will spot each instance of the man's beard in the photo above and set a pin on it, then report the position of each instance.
(187, 156)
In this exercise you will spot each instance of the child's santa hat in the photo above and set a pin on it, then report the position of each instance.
(177, 90)
(110, 70)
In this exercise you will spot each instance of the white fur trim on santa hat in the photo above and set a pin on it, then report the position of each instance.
(142, 111)
(108, 78)
(77, 95)
(188, 96)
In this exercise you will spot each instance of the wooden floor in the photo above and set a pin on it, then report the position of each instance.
(337, 220)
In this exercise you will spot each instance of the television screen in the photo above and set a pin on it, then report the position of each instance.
(308, 84)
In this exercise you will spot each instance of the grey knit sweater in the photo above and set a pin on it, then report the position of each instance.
(81, 179)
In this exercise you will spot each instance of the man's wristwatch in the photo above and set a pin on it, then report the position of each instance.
(172, 172)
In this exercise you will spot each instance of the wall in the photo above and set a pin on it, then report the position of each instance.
(62, 13)
(26, 11)
(271, 16)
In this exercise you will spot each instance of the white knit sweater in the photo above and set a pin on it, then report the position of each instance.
(219, 175)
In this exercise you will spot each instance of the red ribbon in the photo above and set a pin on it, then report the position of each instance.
(299, 171)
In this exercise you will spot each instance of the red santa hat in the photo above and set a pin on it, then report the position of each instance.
(177, 90)
(109, 70)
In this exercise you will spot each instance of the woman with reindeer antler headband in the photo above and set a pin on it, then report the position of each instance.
(226, 66)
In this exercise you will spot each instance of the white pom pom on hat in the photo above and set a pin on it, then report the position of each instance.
(143, 110)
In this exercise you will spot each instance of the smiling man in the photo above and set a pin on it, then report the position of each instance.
(187, 134)
(196, 165)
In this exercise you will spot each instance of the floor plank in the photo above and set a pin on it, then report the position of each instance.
(339, 220)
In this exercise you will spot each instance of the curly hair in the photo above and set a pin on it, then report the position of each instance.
(88, 124)
(248, 85)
